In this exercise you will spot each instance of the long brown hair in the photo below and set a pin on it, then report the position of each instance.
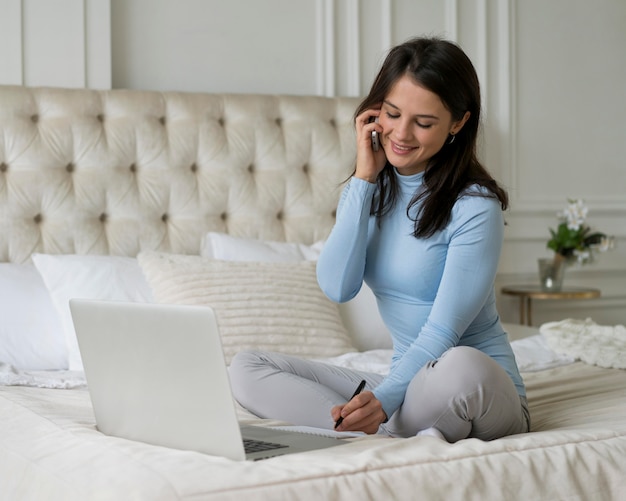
(443, 68)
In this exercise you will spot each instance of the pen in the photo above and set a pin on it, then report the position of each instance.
(358, 390)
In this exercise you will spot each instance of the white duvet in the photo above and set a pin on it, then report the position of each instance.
(50, 449)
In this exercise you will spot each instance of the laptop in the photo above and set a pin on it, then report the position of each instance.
(156, 373)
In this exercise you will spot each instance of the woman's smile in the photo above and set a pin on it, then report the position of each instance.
(416, 124)
(399, 149)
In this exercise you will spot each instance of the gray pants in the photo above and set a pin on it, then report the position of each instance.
(464, 393)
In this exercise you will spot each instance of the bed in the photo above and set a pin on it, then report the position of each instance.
(226, 200)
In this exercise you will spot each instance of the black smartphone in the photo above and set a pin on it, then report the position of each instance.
(375, 140)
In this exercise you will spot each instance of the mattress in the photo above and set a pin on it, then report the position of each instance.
(92, 179)
(50, 448)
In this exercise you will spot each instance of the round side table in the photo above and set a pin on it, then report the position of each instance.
(527, 293)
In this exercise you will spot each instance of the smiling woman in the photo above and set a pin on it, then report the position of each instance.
(421, 222)
(434, 85)
(415, 126)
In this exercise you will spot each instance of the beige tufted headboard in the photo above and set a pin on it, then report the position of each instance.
(117, 172)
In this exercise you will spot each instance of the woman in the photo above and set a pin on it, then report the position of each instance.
(421, 222)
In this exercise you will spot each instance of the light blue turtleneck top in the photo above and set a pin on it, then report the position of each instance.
(433, 293)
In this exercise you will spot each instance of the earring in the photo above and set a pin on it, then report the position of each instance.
(451, 140)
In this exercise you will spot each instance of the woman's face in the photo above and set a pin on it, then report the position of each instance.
(415, 125)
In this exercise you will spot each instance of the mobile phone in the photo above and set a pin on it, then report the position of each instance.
(375, 140)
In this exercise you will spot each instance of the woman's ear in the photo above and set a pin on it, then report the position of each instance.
(458, 125)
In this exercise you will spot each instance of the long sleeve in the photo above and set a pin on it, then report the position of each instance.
(466, 287)
(341, 264)
(432, 293)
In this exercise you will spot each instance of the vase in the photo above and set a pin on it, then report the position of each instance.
(551, 271)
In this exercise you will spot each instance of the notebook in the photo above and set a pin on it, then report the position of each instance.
(157, 374)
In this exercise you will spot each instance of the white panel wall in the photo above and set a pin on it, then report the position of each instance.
(10, 48)
(97, 63)
(199, 45)
(326, 47)
(53, 48)
(578, 93)
(552, 75)
(554, 126)
(63, 43)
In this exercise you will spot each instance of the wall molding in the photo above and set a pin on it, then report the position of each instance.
(325, 27)
(353, 48)
(81, 29)
(483, 50)
(347, 50)
(97, 33)
(386, 24)
(452, 19)
(522, 203)
(11, 50)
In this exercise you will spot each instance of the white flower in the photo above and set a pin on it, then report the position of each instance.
(575, 214)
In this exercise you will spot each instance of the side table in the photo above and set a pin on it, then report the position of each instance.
(527, 293)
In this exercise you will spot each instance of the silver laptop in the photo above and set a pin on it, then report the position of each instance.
(157, 374)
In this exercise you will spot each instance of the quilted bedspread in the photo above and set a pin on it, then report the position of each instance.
(50, 449)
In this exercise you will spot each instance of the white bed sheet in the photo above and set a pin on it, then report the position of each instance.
(49, 448)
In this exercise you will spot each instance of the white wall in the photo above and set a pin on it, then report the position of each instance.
(552, 74)
(65, 43)
(328, 47)
(561, 136)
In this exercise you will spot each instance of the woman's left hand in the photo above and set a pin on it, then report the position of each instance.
(363, 413)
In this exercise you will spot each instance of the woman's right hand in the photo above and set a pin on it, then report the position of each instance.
(363, 413)
(369, 163)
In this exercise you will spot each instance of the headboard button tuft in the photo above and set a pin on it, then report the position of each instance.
(38, 219)
(69, 167)
(133, 168)
(165, 218)
(100, 118)
(103, 218)
(4, 167)
(194, 167)
(162, 120)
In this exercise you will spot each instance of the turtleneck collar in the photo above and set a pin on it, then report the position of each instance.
(409, 184)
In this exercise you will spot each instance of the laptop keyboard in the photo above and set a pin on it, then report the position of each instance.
(251, 445)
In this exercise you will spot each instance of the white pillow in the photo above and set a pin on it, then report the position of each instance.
(31, 336)
(89, 277)
(360, 315)
(534, 354)
(265, 306)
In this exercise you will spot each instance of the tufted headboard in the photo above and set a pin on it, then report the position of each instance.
(121, 171)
